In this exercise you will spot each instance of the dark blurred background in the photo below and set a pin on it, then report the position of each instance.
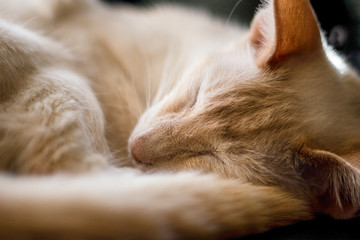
(340, 19)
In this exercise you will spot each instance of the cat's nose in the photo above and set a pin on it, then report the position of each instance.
(138, 150)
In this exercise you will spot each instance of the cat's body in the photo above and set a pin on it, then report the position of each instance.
(267, 107)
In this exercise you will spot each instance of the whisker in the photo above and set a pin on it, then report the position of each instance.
(232, 11)
(139, 108)
(170, 72)
(149, 79)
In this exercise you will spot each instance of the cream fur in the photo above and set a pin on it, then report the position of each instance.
(270, 128)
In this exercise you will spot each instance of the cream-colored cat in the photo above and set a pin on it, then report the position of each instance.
(267, 117)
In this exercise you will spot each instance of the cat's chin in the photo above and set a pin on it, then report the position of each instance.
(154, 167)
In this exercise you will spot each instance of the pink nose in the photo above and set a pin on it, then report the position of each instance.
(138, 150)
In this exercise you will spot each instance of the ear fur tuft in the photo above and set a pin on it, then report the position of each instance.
(334, 182)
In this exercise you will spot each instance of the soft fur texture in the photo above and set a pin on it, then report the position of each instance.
(234, 131)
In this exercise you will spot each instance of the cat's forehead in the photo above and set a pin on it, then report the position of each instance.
(228, 68)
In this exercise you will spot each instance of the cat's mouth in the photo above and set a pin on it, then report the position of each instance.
(138, 163)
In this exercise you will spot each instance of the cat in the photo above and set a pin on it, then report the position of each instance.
(165, 123)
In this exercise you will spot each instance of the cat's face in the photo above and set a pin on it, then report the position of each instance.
(274, 109)
(221, 117)
(254, 111)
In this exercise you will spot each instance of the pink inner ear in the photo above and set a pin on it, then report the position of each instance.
(287, 28)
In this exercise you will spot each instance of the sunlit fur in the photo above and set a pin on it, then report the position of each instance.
(270, 130)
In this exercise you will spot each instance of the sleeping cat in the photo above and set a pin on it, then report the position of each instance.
(166, 123)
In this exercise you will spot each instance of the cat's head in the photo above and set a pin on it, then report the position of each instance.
(278, 107)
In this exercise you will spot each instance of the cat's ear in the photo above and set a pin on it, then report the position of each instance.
(284, 29)
(333, 180)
